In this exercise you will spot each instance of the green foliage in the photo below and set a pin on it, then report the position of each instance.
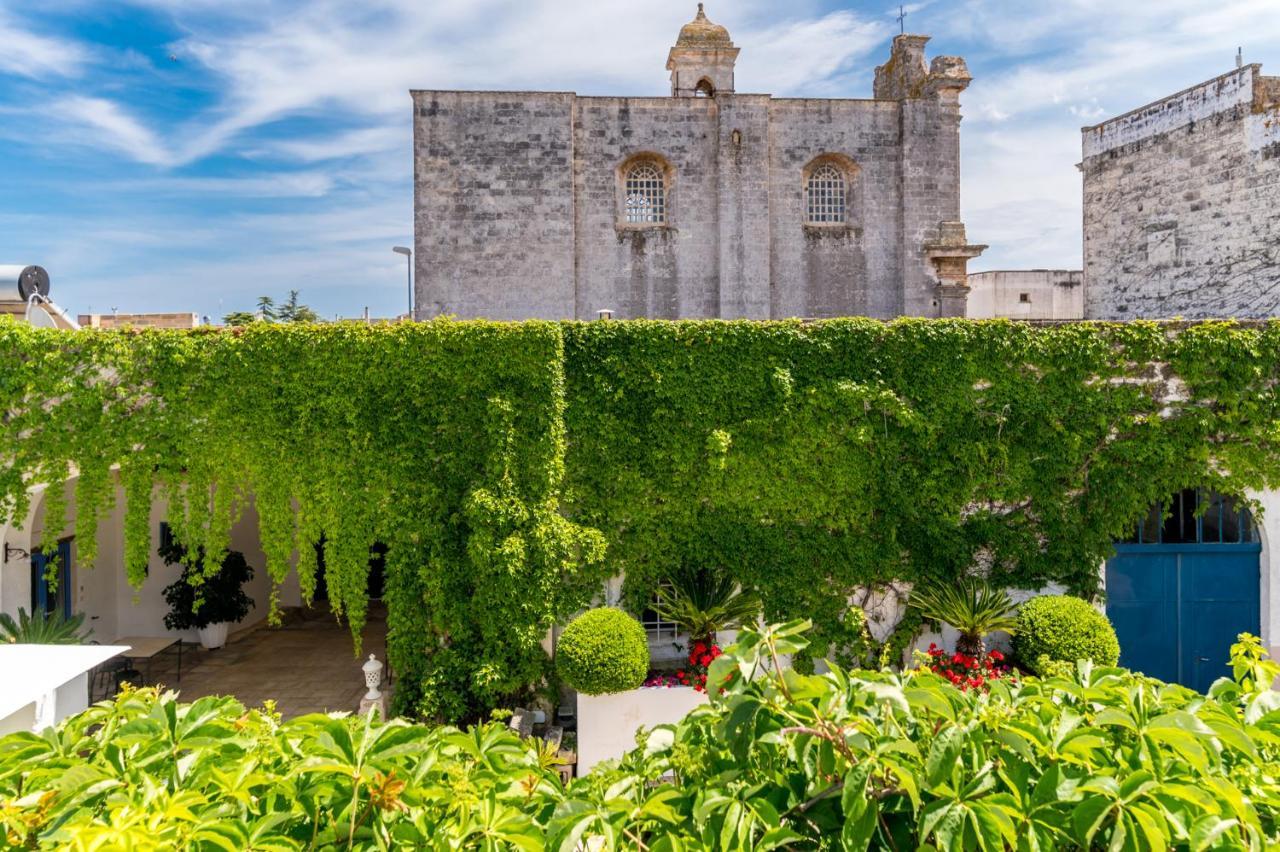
(201, 597)
(1098, 758)
(292, 310)
(1064, 629)
(496, 460)
(41, 628)
(144, 772)
(601, 651)
(444, 441)
(814, 459)
(704, 601)
(970, 605)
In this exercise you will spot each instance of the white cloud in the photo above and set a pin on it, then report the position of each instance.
(363, 61)
(108, 125)
(29, 54)
(339, 73)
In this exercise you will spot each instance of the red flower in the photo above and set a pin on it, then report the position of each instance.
(680, 674)
(996, 655)
(706, 659)
(699, 648)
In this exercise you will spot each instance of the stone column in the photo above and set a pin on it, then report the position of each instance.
(950, 255)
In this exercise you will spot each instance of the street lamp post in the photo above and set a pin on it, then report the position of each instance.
(408, 260)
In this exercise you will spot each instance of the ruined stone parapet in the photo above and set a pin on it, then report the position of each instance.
(906, 76)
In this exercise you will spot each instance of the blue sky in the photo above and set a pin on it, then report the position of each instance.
(191, 155)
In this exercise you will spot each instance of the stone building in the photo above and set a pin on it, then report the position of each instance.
(1029, 294)
(704, 203)
(1182, 204)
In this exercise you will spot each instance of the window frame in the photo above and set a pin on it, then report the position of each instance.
(623, 177)
(848, 173)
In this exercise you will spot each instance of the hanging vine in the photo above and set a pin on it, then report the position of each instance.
(496, 461)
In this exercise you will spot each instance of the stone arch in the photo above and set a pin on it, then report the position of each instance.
(704, 89)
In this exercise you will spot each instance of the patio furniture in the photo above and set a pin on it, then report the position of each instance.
(147, 648)
(108, 672)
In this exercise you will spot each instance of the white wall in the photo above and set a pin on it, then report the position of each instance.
(607, 724)
(102, 592)
(1268, 523)
(1051, 294)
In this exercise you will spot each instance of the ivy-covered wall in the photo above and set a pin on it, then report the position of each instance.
(500, 463)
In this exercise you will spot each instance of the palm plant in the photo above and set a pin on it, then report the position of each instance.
(42, 629)
(703, 601)
(972, 606)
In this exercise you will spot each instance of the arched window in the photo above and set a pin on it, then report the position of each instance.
(646, 194)
(704, 89)
(825, 196)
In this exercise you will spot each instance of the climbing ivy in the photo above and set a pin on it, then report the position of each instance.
(496, 461)
(443, 441)
(816, 459)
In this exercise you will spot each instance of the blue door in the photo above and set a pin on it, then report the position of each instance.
(51, 584)
(1181, 590)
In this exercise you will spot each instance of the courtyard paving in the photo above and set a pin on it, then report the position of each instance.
(308, 665)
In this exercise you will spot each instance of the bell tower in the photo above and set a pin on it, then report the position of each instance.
(701, 63)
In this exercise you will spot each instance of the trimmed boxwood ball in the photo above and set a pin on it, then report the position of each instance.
(1061, 628)
(603, 651)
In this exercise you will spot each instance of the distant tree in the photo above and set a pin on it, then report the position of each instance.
(240, 318)
(267, 308)
(292, 310)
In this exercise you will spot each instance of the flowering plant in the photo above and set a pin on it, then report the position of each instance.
(701, 656)
(661, 679)
(964, 671)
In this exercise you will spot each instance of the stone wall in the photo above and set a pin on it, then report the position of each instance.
(1028, 294)
(1182, 204)
(494, 212)
(518, 203)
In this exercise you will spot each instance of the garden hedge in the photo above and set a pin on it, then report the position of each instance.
(1060, 628)
(1098, 759)
(499, 462)
(603, 651)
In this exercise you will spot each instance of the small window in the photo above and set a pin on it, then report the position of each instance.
(646, 195)
(826, 195)
(1024, 298)
(704, 89)
(656, 626)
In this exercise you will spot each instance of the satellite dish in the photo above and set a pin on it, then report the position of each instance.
(38, 317)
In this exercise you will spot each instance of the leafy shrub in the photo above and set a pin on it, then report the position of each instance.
(41, 628)
(1098, 759)
(144, 772)
(703, 601)
(1065, 629)
(970, 605)
(197, 600)
(603, 650)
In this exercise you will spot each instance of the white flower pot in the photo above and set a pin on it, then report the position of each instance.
(215, 635)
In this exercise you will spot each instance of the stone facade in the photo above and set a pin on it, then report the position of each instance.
(1028, 294)
(524, 206)
(1182, 204)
